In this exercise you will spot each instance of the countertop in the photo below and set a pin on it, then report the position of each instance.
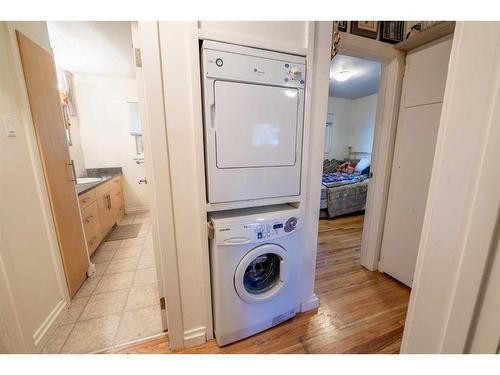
(105, 174)
(83, 188)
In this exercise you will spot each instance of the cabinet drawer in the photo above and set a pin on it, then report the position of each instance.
(115, 181)
(86, 199)
(108, 185)
(104, 188)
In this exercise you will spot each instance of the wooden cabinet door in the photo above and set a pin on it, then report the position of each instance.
(105, 213)
(117, 205)
(46, 111)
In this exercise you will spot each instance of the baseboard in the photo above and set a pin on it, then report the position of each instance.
(196, 336)
(42, 334)
(310, 303)
(136, 210)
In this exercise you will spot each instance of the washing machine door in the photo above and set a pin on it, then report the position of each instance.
(262, 273)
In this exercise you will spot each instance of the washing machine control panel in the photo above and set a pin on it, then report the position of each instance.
(273, 229)
(257, 230)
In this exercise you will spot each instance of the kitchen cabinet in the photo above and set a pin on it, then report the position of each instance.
(101, 208)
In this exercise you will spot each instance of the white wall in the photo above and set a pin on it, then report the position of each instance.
(353, 125)
(363, 113)
(32, 288)
(288, 33)
(341, 109)
(105, 131)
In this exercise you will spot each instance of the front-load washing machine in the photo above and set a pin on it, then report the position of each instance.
(255, 257)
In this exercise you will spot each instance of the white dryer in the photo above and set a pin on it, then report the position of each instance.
(253, 120)
(255, 256)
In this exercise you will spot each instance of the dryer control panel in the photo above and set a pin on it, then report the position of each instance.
(255, 231)
(252, 65)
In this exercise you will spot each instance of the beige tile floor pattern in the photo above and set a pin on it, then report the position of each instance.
(119, 303)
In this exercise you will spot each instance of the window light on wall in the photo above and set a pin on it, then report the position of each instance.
(135, 126)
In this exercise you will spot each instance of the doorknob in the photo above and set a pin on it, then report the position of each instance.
(143, 181)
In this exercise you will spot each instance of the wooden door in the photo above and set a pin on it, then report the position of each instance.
(420, 112)
(46, 111)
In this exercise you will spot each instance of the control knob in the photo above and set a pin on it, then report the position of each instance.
(295, 72)
(290, 224)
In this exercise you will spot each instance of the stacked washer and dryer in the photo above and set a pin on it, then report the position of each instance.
(253, 123)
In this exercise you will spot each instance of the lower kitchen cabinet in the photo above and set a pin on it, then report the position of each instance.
(101, 208)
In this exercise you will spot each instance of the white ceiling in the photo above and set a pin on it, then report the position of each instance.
(363, 81)
(93, 47)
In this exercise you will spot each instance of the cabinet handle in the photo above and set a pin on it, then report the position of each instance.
(73, 172)
(108, 198)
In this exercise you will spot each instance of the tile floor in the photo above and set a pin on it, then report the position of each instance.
(119, 303)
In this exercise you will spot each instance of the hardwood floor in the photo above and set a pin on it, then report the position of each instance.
(360, 311)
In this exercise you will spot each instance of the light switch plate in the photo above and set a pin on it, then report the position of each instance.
(8, 124)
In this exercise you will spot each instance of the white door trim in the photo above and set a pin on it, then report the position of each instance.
(149, 173)
(388, 101)
(161, 195)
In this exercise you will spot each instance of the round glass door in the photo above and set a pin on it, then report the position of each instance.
(261, 273)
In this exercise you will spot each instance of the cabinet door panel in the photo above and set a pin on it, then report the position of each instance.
(105, 213)
(92, 226)
(117, 205)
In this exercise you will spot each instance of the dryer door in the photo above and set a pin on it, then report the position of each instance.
(261, 273)
(255, 125)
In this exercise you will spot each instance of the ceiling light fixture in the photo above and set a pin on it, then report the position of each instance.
(341, 75)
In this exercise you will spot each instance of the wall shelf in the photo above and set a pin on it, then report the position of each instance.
(432, 33)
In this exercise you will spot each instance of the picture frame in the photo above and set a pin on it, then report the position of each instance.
(392, 31)
(367, 29)
(342, 26)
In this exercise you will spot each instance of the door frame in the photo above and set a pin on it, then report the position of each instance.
(386, 122)
(159, 263)
(156, 141)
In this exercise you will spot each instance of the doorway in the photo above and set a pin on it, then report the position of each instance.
(354, 195)
(349, 135)
(117, 298)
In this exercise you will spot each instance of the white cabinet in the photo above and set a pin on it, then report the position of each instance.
(421, 102)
